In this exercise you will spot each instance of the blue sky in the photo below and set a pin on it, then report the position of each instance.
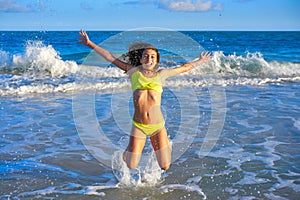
(130, 14)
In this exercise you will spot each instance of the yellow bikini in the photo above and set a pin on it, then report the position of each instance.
(140, 82)
(149, 129)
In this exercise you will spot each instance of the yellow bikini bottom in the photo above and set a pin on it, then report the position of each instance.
(149, 129)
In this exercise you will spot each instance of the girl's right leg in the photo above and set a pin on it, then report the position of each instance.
(133, 152)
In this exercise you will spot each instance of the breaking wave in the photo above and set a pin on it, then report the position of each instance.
(41, 69)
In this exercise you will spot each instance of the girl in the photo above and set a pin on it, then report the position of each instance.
(147, 86)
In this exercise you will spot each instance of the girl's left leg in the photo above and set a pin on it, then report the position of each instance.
(162, 148)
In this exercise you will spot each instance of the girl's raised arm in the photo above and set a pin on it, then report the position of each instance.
(102, 52)
(204, 57)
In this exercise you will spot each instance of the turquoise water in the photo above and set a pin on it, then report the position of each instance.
(234, 122)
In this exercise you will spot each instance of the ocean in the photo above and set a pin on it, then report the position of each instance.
(234, 122)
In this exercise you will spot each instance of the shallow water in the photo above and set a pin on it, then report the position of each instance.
(256, 155)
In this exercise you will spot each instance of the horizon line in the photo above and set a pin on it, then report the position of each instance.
(122, 30)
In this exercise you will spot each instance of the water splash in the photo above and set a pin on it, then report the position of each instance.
(145, 176)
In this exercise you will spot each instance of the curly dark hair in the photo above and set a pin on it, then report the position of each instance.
(135, 52)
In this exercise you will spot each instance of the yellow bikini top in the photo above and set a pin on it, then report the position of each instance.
(140, 82)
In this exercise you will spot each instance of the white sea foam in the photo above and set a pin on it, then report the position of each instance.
(250, 178)
(297, 124)
(104, 87)
(189, 188)
(243, 198)
(236, 156)
(70, 189)
(100, 190)
(275, 197)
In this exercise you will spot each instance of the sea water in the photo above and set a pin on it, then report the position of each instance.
(234, 122)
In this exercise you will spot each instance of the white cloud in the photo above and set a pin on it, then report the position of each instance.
(180, 5)
(189, 6)
(218, 7)
(86, 6)
(11, 6)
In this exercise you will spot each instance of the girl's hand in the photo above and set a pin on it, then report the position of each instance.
(84, 38)
(205, 56)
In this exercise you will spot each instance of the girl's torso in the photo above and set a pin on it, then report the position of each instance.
(147, 93)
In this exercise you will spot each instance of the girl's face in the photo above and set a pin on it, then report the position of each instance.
(149, 59)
